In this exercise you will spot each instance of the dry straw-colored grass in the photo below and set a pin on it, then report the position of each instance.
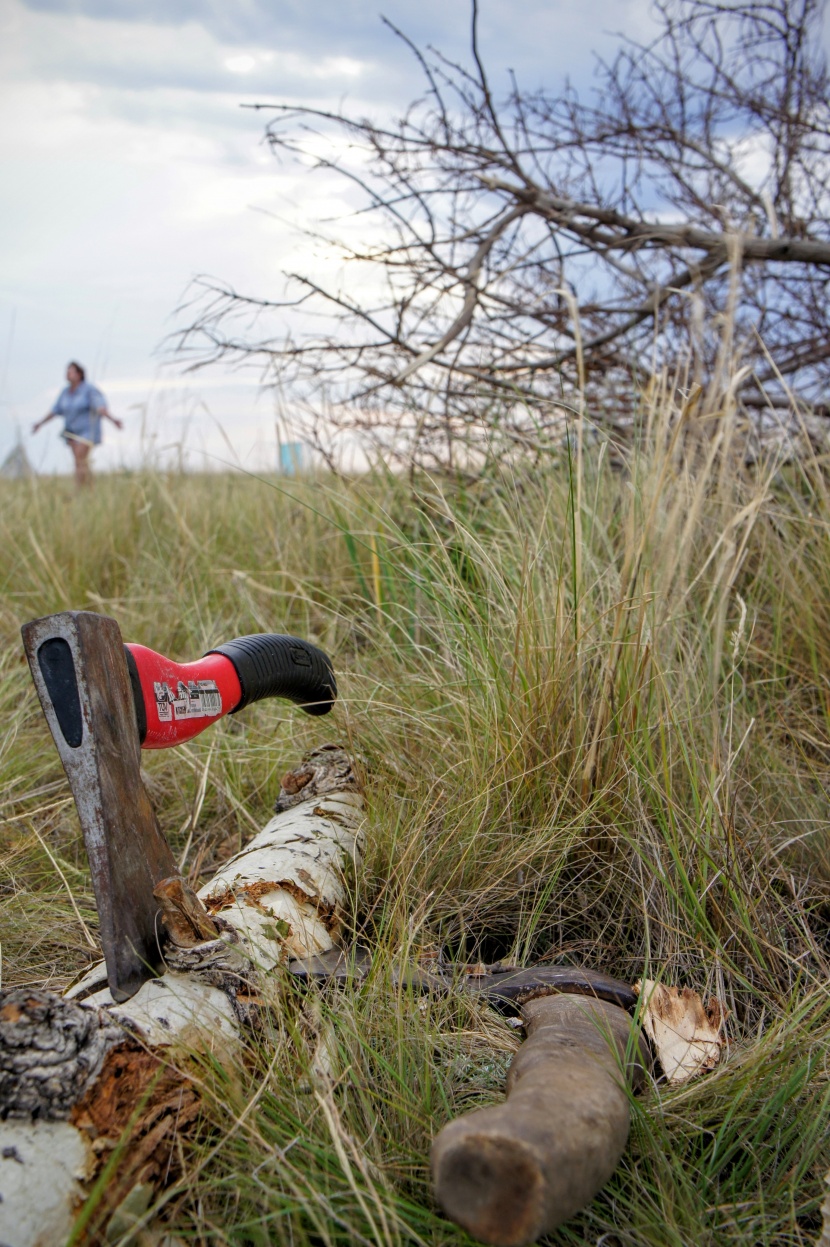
(591, 696)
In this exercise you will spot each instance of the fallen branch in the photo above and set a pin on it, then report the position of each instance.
(80, 1075)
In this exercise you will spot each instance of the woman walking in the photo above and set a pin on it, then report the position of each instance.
(82, 407)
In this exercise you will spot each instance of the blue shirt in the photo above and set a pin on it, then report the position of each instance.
(80, 410)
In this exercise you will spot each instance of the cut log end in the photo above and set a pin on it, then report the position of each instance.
(330, 768)
(492, 1186)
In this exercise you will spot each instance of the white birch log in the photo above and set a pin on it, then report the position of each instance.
(74, 1068)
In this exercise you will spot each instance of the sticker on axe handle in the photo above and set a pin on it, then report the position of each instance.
(197, 699)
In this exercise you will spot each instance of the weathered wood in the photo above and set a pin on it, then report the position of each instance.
(685, 1037)
(512, 1172)
(81, 1082)
(80, 673)
(183, 915)
(74, 1069)
(51, 1050)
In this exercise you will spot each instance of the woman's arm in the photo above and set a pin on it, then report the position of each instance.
(40, 423)
(99, 405)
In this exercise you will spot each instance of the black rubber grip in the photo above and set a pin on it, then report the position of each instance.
(281, 666)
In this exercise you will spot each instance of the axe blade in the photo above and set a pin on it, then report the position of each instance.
(78, 664)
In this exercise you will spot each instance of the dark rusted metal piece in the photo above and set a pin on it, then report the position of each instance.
(499, 984)
(80, 673)
(511, 985)
(337, 965)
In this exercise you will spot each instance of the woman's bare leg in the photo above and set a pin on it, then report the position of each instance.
(83, 472)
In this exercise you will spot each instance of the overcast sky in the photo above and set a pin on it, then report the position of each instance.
(129, 167)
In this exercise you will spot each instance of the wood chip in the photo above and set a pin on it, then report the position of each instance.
(685, 1036)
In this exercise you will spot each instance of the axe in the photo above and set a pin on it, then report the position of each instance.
(507, 1173)
(104, 701)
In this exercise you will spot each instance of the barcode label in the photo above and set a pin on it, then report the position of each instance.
(198, 699)
(211, 701)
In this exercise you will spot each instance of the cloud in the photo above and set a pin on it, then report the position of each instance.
(142, 56)
(290, 47)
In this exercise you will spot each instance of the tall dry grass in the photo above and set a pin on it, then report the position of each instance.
(591, 697)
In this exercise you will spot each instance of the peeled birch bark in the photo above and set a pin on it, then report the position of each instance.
(75, 1070)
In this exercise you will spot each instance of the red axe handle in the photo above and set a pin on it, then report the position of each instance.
(175, 701)
(94, 690)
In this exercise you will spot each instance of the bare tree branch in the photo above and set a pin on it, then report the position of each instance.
(702, 166)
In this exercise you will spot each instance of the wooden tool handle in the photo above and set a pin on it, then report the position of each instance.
(510, 1173)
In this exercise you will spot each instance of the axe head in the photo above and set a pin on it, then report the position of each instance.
(78, 664)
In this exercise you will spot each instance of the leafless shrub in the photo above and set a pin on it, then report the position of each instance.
(534, 255)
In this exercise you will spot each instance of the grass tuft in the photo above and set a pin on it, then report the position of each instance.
(592, 698)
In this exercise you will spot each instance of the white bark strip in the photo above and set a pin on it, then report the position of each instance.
(292, 872)
(175, 1008)
(285, 894)
(44, 1168)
